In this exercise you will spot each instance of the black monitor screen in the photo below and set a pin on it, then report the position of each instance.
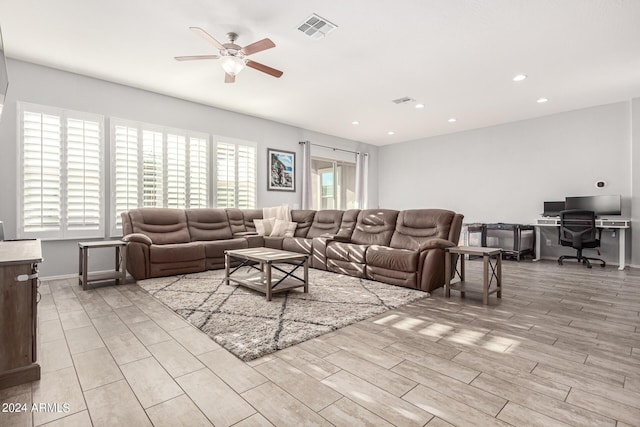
(601, 205)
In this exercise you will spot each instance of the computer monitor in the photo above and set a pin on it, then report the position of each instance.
(601, 205)
(553, 208)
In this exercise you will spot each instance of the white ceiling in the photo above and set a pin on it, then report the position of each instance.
(458, 57)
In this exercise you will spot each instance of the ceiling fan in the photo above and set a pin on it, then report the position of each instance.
(234, 57)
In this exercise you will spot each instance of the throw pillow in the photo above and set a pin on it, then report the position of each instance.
(264, 226)
(283, 228)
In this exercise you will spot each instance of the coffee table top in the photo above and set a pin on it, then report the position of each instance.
(266, 254)
(474, 250)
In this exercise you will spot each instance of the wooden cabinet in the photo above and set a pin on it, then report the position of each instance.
(18, 311)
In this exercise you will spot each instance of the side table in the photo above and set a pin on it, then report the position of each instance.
(120, 271)
(491, 270)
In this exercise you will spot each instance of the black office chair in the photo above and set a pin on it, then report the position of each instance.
(578, 230)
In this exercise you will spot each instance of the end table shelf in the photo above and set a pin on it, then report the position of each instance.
(119, 273)
(490, 271)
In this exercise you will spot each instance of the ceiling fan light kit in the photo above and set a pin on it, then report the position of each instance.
(233, 57)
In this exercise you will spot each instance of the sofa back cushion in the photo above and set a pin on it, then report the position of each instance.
(208, 224)
(236, 220)
(249, 215)
(325, 222)
(161, 225)
(348, 223)
(304, 218)
(375, 227)
(419, 225)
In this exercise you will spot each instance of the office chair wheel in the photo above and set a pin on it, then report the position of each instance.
(560, 261)
(603, 265)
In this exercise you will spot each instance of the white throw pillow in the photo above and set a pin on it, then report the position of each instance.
(264, 226)
(283, 228)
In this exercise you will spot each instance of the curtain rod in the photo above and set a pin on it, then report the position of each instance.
(332, 148)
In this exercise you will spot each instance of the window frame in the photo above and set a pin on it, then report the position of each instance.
(217, 139)
(64, 115)
(141, 127)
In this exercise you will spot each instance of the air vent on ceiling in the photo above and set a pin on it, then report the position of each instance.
(316, 27)
(403, 100)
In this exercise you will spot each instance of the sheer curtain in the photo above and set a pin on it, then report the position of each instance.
(362, 180)
(307, 194)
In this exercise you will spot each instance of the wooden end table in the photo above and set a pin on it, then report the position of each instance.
(491, 270)
(120, 271)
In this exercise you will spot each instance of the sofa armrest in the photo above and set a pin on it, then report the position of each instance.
(137, 237)
(436, 244)
(335, 238)
(245, 233)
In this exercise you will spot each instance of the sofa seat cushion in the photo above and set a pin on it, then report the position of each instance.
(392, 259)
(176, 252)
(297, 244)
(216, 248)
(347, 252)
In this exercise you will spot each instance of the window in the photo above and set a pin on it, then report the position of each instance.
(156, 167)
(333, 184)
(62, 180)
(235, 175)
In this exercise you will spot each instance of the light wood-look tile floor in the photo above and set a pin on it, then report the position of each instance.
(561, 348)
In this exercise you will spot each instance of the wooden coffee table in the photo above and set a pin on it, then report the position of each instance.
(268, 260)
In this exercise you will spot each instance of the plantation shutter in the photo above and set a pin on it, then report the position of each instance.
(84, 176)
(246, 181)
(226, 175)
(152, 170)
(176, 171)
(198, 173)
(125, 171)
(41, 173)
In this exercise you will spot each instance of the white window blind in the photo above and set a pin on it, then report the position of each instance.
(41, 173)
(235, 175)
(198, 173)
(154, 167)
(62, 181)
(124, 177)
(152, 170)
(176, 171)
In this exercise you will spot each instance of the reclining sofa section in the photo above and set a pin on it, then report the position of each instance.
(404, 248)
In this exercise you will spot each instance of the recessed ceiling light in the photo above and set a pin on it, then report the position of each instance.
(519, 77)
(419, 105)
(451, 120)
(542, 100)
(355, 122)
(391, 132)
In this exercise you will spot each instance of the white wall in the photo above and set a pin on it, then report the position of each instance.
(504, 173)
(635, 181)
(47, 86)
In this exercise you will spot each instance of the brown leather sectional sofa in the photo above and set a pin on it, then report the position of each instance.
(403, 248)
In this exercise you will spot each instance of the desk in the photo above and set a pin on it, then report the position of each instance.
(619, 224)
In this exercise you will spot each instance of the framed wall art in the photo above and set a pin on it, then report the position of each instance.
(281, 170)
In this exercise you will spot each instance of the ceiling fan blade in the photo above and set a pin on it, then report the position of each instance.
(208, 37)
(228, 78)
(194, 57)
(258, 46)
(265, 69)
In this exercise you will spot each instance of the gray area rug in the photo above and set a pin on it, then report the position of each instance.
(245, 323)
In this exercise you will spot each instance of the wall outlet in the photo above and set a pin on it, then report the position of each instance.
(548, 242)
